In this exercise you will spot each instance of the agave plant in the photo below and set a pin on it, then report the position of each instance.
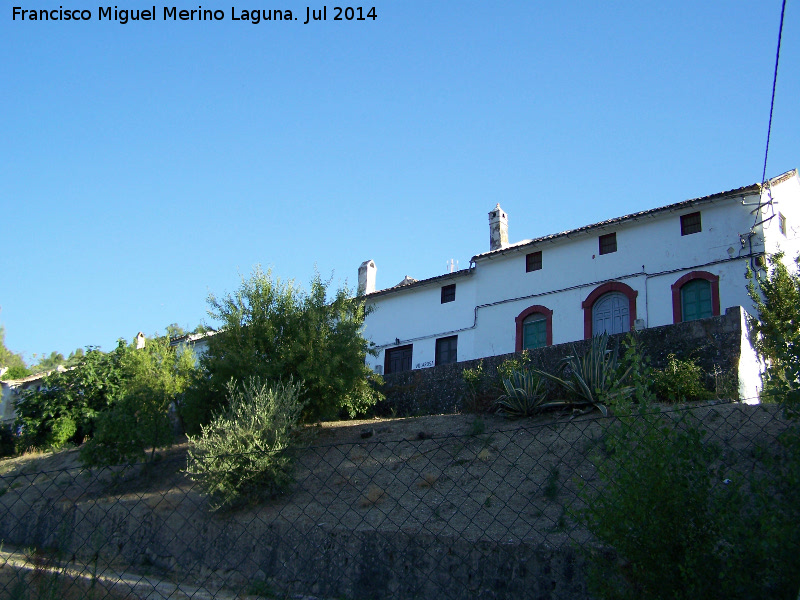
(525, 395)
(593, 377)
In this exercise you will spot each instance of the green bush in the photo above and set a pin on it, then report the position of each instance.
(275, 330)
(62, 431)
(681, 380)
(241, 456)
(154, 377)
(776, 332)
(511, 365)
(75, 396)
(674, 525)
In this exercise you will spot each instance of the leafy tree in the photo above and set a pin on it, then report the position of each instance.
(48, 363)
(776, 296)
(174, 330)
(684, 527)
(68, 402)
(74, 357)
(16, 372)
(275, 331)
(152, 379)
(15, 363)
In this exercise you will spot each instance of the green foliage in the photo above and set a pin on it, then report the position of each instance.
(241, 456)
(595, 378)
(74, 357)
(511, 365)
(525, 395)
(680, 527)
(681, 380)
(16, 372)
(77, 395)
(479, 395)
(639, 376)
(15, 363)
(776, 332)
(274, 330)
(119, 399)
(140, 419)
(49, 362)
(63, 429)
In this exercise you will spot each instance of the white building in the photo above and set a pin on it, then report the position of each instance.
(665, 265)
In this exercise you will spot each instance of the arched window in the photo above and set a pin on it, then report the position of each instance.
(610, 307)
(534, 328)
(695, 296)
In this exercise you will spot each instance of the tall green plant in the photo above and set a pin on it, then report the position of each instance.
(70, 401)
(154, 377)
(674, 524)
(776, 331)
(275, 330)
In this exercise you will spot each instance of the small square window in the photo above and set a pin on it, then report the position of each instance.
(449, 293)
(608, 243)
(533, 262)
(782, 223)
(447, 350)
(691, 223)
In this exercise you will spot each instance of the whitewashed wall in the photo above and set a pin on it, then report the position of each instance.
(651, 256)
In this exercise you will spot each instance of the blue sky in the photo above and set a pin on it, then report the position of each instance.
(143, 166)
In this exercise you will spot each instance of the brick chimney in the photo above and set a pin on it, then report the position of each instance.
(498, 229)
(366, 277)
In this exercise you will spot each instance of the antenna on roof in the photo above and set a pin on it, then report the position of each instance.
(452, 265)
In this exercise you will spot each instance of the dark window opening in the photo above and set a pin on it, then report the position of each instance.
(449, 293)
(447, 350)
(533, 262)
(608, 243)
(398, 360)
(691, 223)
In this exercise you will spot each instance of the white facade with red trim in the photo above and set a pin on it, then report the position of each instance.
(577, 290)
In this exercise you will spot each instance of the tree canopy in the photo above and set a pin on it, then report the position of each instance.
(274, 330)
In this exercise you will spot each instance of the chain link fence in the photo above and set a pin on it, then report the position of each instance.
(402, 509)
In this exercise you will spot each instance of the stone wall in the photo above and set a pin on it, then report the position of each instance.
(715, 343)
(292, 559)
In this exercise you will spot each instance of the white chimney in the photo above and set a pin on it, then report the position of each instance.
(498, 229)
(366, 277)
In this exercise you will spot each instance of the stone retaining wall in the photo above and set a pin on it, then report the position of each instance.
(236, 552)
(720, 345)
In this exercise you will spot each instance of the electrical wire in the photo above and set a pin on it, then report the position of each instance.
(774, 85)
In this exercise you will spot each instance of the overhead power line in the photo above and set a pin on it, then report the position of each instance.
(774, 83)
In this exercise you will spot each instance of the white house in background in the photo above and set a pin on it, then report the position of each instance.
(198, 342)
(12, 389)
(665, 265)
